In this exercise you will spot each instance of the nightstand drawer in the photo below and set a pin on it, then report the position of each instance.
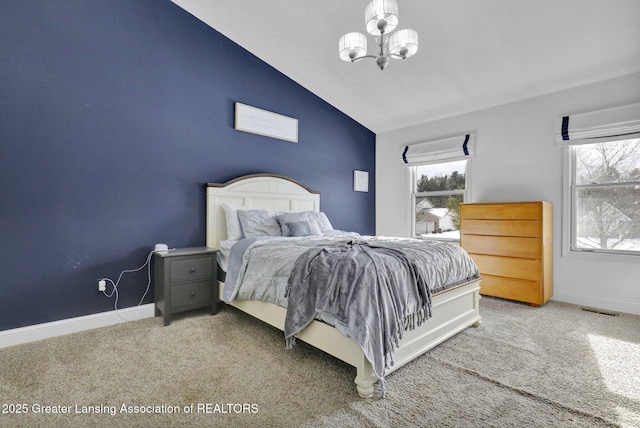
(192, 269)
(193, 293)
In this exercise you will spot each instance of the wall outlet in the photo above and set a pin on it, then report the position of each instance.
(102, 285)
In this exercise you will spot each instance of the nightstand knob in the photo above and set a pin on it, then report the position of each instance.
(193, 293)
(193, 270)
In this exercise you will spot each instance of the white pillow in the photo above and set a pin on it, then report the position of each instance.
(234, 229)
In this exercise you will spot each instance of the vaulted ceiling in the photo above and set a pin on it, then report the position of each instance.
(473, 54)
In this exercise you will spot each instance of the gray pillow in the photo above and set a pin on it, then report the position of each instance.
(259, 223)
(304, 228)
(318, 217)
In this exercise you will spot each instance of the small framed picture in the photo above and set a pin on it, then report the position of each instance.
(360, 181)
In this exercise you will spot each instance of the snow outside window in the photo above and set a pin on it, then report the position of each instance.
(438, 190)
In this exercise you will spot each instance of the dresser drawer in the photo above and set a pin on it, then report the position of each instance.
(191, 294)
(526, 228)
(514, 289)
(508, 267)
(528, 248)
(192, 269)
(515, 211)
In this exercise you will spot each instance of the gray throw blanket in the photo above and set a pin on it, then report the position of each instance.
(371, 292)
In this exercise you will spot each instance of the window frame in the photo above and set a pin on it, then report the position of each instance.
(413, 180)
(569, 217)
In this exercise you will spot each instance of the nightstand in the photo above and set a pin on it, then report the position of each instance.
(184, 279)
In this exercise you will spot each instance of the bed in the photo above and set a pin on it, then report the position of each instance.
(452, 310)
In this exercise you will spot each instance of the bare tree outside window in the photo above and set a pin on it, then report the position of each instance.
(606, 194)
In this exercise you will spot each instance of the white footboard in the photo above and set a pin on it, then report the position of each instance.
(453, 311)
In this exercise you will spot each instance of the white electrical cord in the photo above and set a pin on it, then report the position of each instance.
(115, 284)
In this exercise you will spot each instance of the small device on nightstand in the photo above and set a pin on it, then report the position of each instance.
(184, 279)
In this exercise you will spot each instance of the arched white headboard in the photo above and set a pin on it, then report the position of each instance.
(269, 191)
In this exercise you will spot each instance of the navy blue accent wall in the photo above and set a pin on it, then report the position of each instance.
(113, 116)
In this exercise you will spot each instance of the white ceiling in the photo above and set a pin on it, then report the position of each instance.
(473, 54)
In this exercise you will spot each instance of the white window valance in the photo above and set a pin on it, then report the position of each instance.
(451, 149)
(619, 123)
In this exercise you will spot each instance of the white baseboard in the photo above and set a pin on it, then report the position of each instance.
(598, 302)
(73, 325)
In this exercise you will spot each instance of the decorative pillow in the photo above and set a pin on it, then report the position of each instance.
(318, 217)
(234, 229)
(259, 223)
(304, 228)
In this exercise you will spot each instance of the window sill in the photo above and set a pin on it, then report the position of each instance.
(602, 257)
(438, 238)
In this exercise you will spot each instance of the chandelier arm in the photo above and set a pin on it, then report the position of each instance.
(363, 57)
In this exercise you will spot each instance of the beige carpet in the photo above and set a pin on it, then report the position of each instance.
(554, 366)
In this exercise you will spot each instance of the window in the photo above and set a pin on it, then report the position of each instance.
(605, 197)
(439, 183)
(438, 190)
(601, 202)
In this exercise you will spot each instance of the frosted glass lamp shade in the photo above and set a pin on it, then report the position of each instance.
(352, 46)
(403, 43)
(381, 14)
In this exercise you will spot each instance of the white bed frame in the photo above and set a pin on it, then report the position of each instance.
(453, 310)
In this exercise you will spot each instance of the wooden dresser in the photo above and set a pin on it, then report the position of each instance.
(512, 244)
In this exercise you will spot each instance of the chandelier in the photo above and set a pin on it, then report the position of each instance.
(380, 19)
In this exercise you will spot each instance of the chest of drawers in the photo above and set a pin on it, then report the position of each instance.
(511, 243)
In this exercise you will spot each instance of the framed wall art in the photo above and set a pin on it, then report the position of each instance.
(262, 122)
(360, 181)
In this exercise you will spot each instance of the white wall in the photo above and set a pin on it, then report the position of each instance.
(517, 160)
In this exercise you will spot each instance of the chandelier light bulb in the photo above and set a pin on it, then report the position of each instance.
(403, 43)
(352, 46)
(381, 16)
